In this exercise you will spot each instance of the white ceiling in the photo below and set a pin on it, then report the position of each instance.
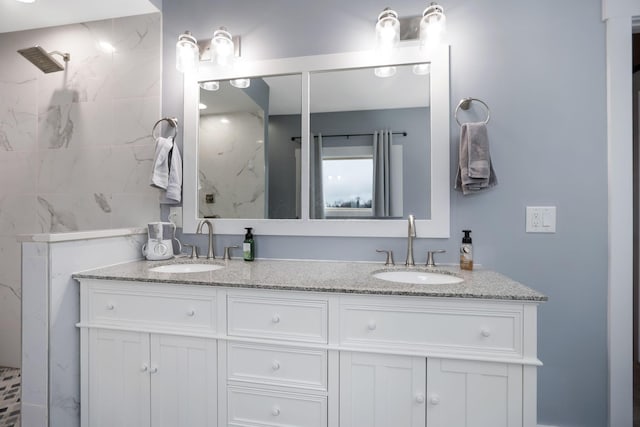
(339, 90)
(16, 16)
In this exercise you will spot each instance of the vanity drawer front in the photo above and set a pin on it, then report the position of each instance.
(154, 309)
(469, 329)
(294, 319)
(264, 407)
(281, 366)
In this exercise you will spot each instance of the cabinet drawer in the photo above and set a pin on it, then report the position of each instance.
(467, 329)
(280, 318)
(157, 309)
(282, 366)
(258, 407)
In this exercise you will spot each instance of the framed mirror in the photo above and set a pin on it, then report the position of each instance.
(248, 166)
(370, 144)
(383, 151)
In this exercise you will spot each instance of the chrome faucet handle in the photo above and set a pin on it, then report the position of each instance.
(194, 251)
(227, 255)
(389, 260)
(430, 259)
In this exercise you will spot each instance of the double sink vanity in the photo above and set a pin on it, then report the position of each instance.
(302, 343)
(305, 343)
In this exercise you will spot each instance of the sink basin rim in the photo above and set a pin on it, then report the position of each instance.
(186, 268)
(417, 277)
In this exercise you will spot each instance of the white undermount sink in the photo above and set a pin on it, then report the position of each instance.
(418, 277)
(185, 268)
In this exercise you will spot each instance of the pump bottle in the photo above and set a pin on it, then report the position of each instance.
(248, 246)
(466, 252)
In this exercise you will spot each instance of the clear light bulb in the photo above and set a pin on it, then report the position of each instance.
(187, 53)
(432, 26)
(222, 46)
(387, 30)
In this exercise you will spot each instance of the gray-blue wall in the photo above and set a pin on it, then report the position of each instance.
(541, 68)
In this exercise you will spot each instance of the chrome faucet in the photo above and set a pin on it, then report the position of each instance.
(410, 236)
(210, 254)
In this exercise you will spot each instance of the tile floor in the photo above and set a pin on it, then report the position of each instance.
(9, 397)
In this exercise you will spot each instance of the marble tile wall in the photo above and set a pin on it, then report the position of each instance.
(75, 146)
(233, 148)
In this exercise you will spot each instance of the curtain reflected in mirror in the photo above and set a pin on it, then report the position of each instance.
(248, 166)
(316, 180)
(375, 141)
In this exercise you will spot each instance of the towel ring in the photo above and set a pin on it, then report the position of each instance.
(173, 122)
(465, 103)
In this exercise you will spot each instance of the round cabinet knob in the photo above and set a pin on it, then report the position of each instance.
(153, 370)
(275, 411)
(434, 399)
(371, 325)
(485, 332)
(275, 365)
(191, 313)
(420, 398)
(144, 368)
(111, 306)
(275, 318)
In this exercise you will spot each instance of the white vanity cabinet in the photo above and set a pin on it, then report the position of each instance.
(158, 354)
(470, 372)
(277, 359)
(380, 390)
(138, 370)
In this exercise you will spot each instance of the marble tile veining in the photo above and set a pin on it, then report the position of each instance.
(9, 397)
(316, 276)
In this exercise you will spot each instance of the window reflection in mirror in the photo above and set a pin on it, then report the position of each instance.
(248, 166)
(382, 122)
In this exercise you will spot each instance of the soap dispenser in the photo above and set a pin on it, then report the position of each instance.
(466, 252)
(248, 246)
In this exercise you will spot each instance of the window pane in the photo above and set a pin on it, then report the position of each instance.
(347, 183)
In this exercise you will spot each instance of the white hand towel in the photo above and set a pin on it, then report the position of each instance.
(475, 169)
(160, 172)
(174, 188)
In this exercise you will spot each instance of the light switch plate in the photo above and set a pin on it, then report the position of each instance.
(175, 215)
(541, 219)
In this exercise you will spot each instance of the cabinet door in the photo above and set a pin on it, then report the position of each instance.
(382, 390)
(183, 381)
(118, 378)
(473, 394)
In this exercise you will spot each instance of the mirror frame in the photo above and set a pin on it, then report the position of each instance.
(437, 226)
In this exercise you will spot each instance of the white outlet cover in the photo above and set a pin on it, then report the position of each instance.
(175, 215)
(541, 219)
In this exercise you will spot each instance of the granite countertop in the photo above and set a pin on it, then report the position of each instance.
(321, 276)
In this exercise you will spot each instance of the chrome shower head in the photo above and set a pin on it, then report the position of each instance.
(43, 59)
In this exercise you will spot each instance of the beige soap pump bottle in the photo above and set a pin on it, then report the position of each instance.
(466, 252)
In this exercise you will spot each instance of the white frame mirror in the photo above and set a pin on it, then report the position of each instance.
(437, 226)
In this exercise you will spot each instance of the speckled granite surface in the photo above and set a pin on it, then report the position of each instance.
(318, 276)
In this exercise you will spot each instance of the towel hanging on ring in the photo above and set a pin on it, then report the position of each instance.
(475, 168)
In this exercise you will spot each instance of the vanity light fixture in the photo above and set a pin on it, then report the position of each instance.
(387, 30)
(384, 71)
(222, 46)
(422, 69)
(220, 49)
(211, 85)
(187, 52)
(432, 25)
(240, 83)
